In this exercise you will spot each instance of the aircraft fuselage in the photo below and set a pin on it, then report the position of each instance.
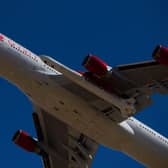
(46, 88)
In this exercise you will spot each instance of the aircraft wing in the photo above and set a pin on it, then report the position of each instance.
(145, 77)
(123, 91)
(63, 146)
(139, 81)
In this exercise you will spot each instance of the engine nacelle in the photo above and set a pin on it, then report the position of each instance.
(95, 65)
(26, 142)
(160, 54)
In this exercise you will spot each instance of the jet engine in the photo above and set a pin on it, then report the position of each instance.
(95, 65)
(26, 142)
(160, 54)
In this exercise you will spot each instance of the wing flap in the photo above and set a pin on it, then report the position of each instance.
(149, 76)
(69, 147)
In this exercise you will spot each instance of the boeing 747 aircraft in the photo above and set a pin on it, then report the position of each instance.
(74, 111)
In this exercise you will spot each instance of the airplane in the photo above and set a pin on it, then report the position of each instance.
(76, 111)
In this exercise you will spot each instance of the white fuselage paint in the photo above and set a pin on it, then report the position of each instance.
(29, 73)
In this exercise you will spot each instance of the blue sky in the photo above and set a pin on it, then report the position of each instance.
(119, 32)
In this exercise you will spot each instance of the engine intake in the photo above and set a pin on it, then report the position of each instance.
(95, 65)
(26, 142)
(160, 54)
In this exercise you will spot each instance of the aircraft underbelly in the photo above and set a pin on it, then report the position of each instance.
(74, 111)
(62, 104)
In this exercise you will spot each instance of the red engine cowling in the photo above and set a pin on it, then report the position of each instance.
(95, 65)
(160, 54)
(25, 141)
